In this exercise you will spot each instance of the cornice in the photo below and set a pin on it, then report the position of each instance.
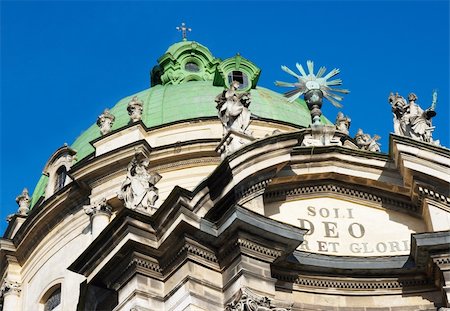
(374, 197)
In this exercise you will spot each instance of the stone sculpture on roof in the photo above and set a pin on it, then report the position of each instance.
(138, 190)
(233, 109)
(105, 122)
(134, 108)
(365, 142)
(23, 200)
(411, 120)
(342, 122)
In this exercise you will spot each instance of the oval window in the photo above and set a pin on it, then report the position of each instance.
(240, 77)
(192, 67)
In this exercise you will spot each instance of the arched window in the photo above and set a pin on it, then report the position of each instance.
(240, 77)
(61, 175)
(52, 299)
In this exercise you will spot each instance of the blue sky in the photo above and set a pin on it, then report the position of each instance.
(63, 62)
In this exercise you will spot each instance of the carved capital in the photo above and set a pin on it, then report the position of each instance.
(246, 300)
(10, 288)
(23, 200)
(100, 207)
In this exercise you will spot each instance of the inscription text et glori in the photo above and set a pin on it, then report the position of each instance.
(344, 228)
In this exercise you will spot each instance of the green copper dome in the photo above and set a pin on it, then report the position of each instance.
(168, 103)
(184, 86)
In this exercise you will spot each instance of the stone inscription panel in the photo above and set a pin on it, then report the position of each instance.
(338, 227)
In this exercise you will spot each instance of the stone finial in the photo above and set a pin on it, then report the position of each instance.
(343, 123)
(411, 120)
(233, 109)
(138, 191)
(23, 200)
(135, 107)
(365, 142)
(10, 287)
(105, 122)
(98, 207)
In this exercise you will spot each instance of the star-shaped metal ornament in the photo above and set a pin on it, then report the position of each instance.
(308, 82)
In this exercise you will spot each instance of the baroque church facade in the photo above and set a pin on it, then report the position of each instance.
(209, 192)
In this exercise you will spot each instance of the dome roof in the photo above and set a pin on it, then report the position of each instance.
(184, 86)
(164, 104)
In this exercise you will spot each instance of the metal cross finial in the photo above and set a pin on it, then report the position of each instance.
(183, 30)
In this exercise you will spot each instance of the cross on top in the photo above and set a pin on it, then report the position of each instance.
(183, 30)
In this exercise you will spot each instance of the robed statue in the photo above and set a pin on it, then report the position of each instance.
(410, 119)
(138, 190)
(233, 109)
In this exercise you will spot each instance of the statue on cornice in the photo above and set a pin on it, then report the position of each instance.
(365, 142)
(135, 107)
(138, 190)
(233, 109)
(342, 122)
(23, 200)
(410, 119)
(105, 122)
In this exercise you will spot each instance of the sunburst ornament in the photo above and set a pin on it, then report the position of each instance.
(311, 81)
(314, 87)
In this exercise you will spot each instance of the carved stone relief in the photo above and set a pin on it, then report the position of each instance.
(248, 301)
(98, 207)
(10, 287)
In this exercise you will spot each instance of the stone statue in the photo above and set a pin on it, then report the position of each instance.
(365, 142)
(135, 107)
(342, 123)
(23, 200)
(139, 190)
(410, 119)
(105, 122)
(233, 109)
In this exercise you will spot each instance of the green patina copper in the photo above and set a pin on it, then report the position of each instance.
(178, 94)
(236, 63)
(173, 64)
(165, 104)
(39, 190)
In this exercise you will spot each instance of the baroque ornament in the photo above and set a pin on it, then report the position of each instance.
(105, 122)
(365, 142)
(98, 207)
(248, 301)
(10, 287)
(314, 87)
(135, 107)
(411, 120)
(138, 191)
(233, 109)
(23, 200)
(342, 122)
